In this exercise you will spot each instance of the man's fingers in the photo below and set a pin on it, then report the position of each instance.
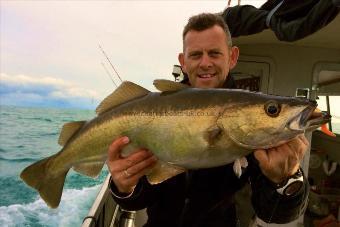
(115, 148)
(129, 178)
(262, 157)
(298, 146)
(304, 140)
(137, 168)
(133, 180)
(122, 164)
(282, 161)
(133, 159)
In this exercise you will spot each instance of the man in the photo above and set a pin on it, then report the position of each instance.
(205, 197)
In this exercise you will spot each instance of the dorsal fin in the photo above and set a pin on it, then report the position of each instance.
(168, 85)
(125, 92)
(68, 130)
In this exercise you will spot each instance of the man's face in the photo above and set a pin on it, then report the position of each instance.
(207, 58)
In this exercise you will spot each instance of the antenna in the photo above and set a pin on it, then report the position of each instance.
(110, 62)
(109, 74)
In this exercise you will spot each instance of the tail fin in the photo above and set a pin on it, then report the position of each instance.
(49, 187)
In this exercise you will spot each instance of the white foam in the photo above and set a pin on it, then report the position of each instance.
(73, 207)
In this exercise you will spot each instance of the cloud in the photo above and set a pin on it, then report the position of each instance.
(24, 90)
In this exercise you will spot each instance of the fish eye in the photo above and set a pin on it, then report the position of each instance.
(272, 108)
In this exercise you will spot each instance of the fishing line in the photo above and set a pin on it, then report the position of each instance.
(111, 77)
(110, 63)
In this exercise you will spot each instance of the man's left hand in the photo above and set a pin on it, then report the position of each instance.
(281, 162)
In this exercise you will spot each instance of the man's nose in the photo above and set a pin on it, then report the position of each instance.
(205, 61)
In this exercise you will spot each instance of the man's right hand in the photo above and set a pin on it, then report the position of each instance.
(126, 171)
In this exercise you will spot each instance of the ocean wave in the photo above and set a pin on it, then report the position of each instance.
(20, 146)
(35, 118)
(47, 134)
(73, 207)
(5, 114)
(18, 159)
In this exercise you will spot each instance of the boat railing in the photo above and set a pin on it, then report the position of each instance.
(104, 210)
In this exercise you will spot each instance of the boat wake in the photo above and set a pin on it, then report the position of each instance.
(74, 206)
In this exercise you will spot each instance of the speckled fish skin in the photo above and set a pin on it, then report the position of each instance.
(187, 129)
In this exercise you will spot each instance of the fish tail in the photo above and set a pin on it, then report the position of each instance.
(50, 187)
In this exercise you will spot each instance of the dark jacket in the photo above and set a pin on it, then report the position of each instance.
(205, 197)
(290, 20)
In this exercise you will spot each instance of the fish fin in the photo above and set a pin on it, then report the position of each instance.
(237, 168)
(239, 165)
(91, 169)
(127, 91)
(163, 171)
(68, 130)
(49, 187)
(168, 85)
(213, 135)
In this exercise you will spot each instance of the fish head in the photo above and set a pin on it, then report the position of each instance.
(265, 121)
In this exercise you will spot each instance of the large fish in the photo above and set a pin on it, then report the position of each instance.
(186, 128)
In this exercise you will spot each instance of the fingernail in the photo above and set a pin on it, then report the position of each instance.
(125, 139)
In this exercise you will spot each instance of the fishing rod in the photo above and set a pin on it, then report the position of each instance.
(238, 2)
(111, 77)
(110, 62)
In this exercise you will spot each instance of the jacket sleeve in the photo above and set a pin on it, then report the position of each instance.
(296, 26)
(143, 195)
(269, 205)
(244, 20)
(289, 20)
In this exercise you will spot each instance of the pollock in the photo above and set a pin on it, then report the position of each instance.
(185, 128)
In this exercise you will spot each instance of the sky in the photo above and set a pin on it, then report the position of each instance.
(50, 56)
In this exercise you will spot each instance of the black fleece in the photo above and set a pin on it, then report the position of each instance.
(205, 197)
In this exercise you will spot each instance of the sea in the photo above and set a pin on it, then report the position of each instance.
(28, 134)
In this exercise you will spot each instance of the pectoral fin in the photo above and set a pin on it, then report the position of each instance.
(213, 135)
(91, 169)
(163, 171)
(239, 164)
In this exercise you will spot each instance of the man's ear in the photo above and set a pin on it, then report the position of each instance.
(181, 61)
(233, 57)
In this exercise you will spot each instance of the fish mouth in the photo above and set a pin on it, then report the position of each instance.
(309, 119)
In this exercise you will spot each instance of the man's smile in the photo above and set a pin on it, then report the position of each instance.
(207, 75)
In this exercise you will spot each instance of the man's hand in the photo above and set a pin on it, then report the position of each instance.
(278, 163)
(126, 171)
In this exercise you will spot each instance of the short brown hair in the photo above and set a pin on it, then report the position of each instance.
(205, 21)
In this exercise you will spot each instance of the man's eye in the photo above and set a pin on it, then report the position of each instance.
(195, 55)
(215, 54)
